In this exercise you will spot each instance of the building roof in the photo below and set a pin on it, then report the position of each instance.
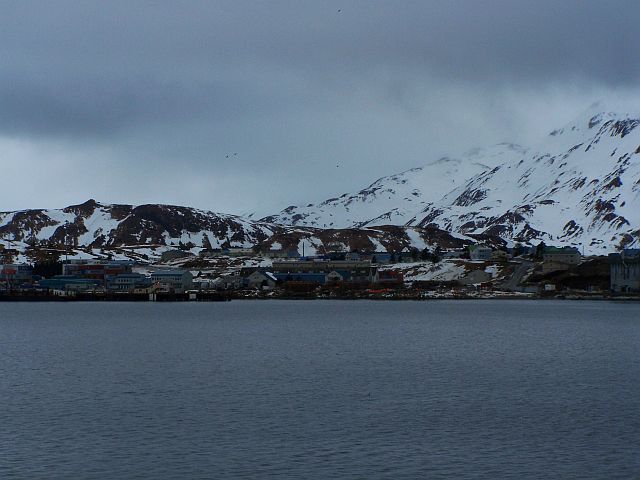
(309, 277)
(128, 275)
(170, 272)
(560, 250)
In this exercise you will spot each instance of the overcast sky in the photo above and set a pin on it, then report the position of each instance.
(234, 106)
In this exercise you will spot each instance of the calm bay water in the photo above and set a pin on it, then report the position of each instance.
(320, 389)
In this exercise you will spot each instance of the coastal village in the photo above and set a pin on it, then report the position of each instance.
(478, 271)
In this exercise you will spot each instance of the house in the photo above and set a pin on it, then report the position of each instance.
(376, 257)
(261, 279)
(204, 283)
(480, 252)
(625, 271)
(556, 259)
(175, 281)
(228, 282)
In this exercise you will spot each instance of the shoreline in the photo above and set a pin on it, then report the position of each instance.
(182, 298)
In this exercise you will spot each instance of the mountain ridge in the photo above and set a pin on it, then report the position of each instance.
(394, 199)
(580, 186)
(97, 229)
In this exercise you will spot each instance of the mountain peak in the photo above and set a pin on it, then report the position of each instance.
(598, 113)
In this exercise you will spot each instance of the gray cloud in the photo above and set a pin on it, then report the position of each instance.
(155, 95)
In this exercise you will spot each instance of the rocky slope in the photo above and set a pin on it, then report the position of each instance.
(580, 186)
(146, 231)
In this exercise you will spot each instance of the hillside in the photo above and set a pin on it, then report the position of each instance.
(144, 232)
(580, 186)
(395, 199)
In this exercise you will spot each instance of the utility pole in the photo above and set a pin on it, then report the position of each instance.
(66, 248)
(5, 263)
(6, 267)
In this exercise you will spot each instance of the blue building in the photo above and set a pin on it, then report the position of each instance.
(71, 283)
(301, 277)
(325, 271)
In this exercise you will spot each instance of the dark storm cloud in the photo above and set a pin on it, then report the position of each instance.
(96, 67)
(294, 84)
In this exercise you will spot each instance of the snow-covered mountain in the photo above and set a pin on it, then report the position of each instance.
(580, 186)
(93, 224)
(94, 228)
(394, 200)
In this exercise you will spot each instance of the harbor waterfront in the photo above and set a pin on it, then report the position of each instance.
(332, 389)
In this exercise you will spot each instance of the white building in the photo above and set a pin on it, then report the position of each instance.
(261, 280)
(480, 252)
(175, 281)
